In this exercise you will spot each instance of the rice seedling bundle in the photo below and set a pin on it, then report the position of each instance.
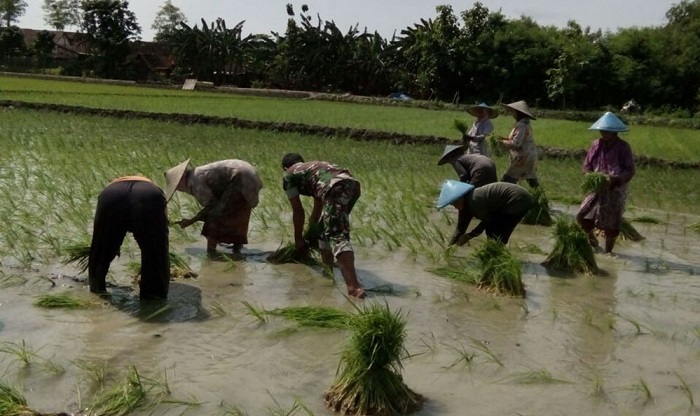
(61, 300)
(368, 380)
(572, 251)
(78, 253)
(594, 182)
(540, 213)
(314, 316)
(498, 269)
(461, 126)
(496, 147)
(628, 232)
(289, 254)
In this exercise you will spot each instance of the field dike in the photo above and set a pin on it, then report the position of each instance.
(324, 131)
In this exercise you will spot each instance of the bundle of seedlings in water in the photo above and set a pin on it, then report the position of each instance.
(78, 253)
(12, 402)
(313, 316)
(572, 252)
(179, 268)
(289, 254)
(498, 270)
(61, 300)
(540, 213)
(368, 380)
(628, 232)
(594, 182)
(131, 394)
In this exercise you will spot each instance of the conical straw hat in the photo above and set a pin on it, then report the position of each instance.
(452, 191)
(521, 106)
(173, 177)
(473, 110)
(449, 150)
(609, 122)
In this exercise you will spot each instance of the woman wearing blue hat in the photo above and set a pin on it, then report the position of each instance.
(612, 156)
(499, 206)
(475, 138)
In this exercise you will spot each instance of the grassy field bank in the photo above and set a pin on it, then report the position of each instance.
(667, 143)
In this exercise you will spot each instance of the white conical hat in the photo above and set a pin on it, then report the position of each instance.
(522, 107)
(609, 122)
(173, 177)
(452, 191)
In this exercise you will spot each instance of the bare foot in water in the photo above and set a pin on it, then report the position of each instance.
(358, 292)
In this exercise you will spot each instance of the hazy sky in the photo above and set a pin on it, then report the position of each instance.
(385, 16)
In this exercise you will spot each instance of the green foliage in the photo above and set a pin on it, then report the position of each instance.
(313, 316)
(11, 10)
(109, 27)
(540, 213)
(12, 401)
(498, 269)
(369, 379)
(78, 253)
(594, 182)
(628, 232)
(60, 14)
(61, 300)
(572, 251)
(461, 126)
(132, 393)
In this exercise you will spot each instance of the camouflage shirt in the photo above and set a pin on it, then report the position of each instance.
(313, 178)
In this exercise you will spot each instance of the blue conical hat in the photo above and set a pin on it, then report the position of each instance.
(609, 122)
(452, 191)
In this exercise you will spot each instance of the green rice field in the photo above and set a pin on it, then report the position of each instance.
(621, 342)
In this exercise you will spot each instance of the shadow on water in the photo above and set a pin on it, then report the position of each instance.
(659, 266)
(376, 286)
(184, 304)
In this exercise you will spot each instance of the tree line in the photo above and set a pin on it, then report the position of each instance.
(466, 57)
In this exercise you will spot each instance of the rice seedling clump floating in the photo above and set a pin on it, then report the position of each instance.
(540, 213)
(289, 254)
(61, 300)
(572, 252)
(314, 316)
(368, 380)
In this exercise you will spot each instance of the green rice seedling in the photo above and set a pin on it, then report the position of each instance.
(23, 353)
(97, 373)
(313, 316)
(540, 213)
(12, 402)
(572, 252)
(628, 232)
(289, 254)
(129, 395)
(462, 356)
(496, 147)
(541, 376)
(78, 253)
(368, 380)
(61, 300)
(218, 309)
(594, 182)
(461, 126)
(483, 347)
(685, 388)
(257, 313)
(232, 410)
(498, 270)
(456, 272)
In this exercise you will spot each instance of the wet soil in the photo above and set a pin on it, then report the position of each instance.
(625, 342)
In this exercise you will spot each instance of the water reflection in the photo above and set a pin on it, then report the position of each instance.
(184, 304)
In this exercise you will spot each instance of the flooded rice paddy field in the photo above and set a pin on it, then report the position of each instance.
(623, 343)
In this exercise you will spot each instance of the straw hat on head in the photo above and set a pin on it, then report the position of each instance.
(452, 191)
(521, 107)
(609, 122)
(173, 176)
(474, 110)
(450, 150)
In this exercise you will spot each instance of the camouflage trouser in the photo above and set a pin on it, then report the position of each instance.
(335, 216)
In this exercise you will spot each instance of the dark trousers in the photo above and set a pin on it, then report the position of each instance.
(533, 182)
(501, 226)
(138, 207)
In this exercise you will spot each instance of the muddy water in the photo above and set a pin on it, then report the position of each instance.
(575, 346)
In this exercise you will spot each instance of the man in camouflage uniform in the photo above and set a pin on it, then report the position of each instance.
(335, 192)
